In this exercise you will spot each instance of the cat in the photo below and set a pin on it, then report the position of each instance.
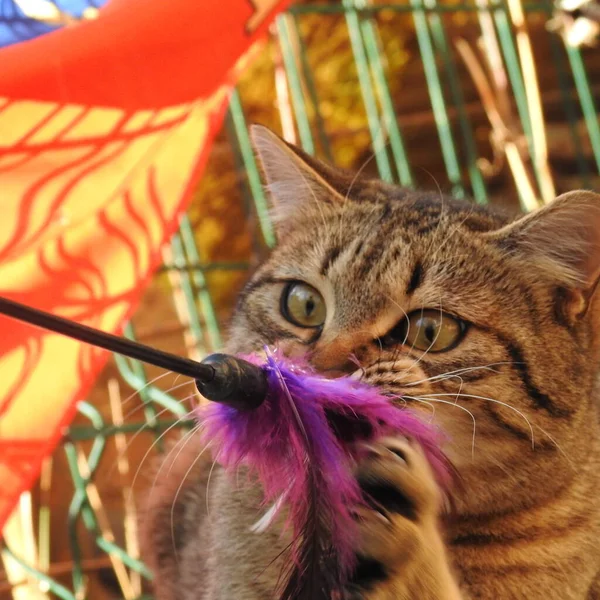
(487, 323)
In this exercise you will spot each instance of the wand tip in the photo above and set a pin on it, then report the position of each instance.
(236, 382)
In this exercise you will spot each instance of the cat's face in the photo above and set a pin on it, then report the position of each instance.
(488, 325)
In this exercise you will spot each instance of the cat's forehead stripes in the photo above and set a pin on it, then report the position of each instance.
(416, 278)
(330, 257)
(396, 233)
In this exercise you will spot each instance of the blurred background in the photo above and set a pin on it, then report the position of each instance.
(494, 101)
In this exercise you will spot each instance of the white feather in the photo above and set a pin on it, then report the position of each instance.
(265, 521)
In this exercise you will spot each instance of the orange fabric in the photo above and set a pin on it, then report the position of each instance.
(104, 126)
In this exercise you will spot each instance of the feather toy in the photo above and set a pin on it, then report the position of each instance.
(300, 444)
(297, 432)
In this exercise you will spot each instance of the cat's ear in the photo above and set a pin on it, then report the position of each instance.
(562, 239)
(295, 179)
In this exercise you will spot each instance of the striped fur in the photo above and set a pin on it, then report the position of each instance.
(518, 395)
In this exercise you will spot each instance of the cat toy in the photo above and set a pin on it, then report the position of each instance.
(296, 432)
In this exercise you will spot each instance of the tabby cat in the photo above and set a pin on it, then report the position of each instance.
(489, 324)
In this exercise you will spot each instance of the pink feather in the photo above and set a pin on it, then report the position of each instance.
(301, 444)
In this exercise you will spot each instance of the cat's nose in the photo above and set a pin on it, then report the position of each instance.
(329, 361)
(338, 357)
(333, 365)
(347, 369)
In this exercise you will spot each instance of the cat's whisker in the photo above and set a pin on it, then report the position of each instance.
(440, 401)
(184, 441)
(456, 228)
(312, 192)
(420, 401)
(176, 387)
(208, 487)
(378, 340)
(342, 217)
(152, 446)
(186, 436)
(179, 488)
(148, 384)
(449, 374)
(349, 191)
(141, 429)
(460, 388)
(460, 379)
(168, 391)
(405, 314)
(556, 444)
(360, 371)
(434, 237)
(435, 181)
(493, 400)
(426, 351)
(354, 359)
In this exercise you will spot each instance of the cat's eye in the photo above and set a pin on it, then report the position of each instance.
(427, 330)
(303, 305)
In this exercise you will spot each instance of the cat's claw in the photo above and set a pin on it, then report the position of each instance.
(402, 506)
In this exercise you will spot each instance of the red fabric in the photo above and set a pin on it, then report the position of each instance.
(104, 127)
(140, 54)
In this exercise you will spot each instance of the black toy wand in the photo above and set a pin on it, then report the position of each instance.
(219, 377)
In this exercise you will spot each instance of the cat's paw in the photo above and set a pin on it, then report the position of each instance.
(400, 521)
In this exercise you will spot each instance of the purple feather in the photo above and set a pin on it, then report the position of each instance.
(301, 444)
